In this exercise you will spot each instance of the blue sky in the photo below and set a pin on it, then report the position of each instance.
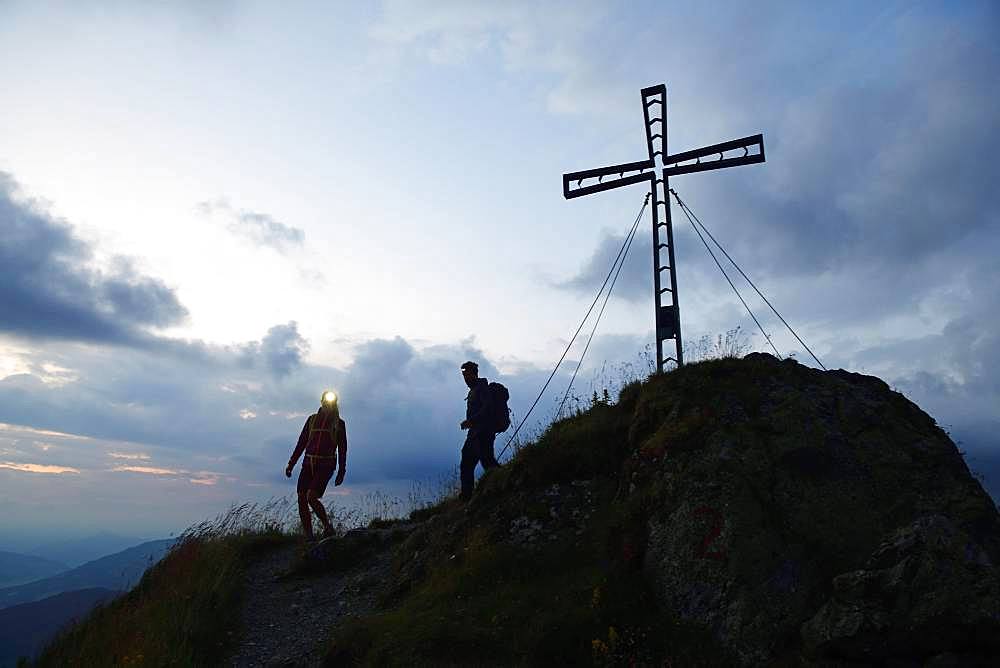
(211, 212)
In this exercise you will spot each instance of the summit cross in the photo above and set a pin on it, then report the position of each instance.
(668, 316)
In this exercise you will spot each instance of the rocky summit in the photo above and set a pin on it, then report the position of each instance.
(821, 513)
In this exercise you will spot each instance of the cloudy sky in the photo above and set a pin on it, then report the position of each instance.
(209, 212)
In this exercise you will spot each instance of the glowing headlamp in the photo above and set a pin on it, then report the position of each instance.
(329, 397)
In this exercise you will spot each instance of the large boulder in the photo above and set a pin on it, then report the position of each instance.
(789, 508)
(928, 589)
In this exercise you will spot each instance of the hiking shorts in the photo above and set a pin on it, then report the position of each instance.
(315, 475)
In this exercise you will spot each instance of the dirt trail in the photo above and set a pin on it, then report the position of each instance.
(286, 621)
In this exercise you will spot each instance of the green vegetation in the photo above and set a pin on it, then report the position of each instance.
(544, 565)
(484, 600)
(185, 608)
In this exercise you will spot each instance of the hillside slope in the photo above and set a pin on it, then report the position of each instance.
(733, 512)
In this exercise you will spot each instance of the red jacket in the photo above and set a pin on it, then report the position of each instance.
(317, 439)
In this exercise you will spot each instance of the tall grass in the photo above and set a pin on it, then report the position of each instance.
(733, 345)
(375, 507)
(275, 516)
(185, 609)
(609, 380)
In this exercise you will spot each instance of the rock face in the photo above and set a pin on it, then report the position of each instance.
(789, 507)
(927, 589)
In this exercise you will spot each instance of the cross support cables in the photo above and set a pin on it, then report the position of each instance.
(745, 151)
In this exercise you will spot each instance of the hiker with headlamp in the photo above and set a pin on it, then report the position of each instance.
(324, 441)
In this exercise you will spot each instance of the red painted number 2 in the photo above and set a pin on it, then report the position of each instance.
(702, 550)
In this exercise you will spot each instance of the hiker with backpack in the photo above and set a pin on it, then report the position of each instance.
(486, 414)
(324, 441)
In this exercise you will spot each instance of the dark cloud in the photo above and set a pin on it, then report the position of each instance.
(260, 228)
(280, 352)
(871, 180)
(892, 186)
(283, 348)
(402, 404)
(139, 298)
(48, 288)
(634, 284)
(953, 374)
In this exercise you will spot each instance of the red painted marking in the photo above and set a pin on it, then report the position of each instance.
(702, 550)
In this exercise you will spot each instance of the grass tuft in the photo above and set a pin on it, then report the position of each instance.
(185, 609)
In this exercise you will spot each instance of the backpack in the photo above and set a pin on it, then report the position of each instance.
(498, 407)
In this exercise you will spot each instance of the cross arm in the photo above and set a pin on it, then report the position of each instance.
(614, 176)
(672, 166)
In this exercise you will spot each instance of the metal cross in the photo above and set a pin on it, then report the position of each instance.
(668, 316)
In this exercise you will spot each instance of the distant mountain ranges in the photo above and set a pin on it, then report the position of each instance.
(25, 628)
(18, 568)
(78, 551)
(32, 612)
(118, 572)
